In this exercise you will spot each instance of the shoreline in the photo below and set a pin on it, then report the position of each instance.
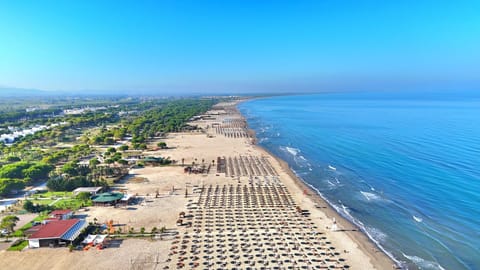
(264, 217)
(376, 254)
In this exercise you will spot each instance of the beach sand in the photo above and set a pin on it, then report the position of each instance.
(166, 191)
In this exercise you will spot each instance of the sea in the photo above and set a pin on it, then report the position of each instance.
(403, 167)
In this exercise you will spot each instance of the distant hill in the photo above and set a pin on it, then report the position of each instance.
(20, 92)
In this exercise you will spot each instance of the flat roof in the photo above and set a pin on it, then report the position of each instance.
(87, 189)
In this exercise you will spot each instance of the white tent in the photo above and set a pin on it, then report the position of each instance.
(89, 239)
(95, 239)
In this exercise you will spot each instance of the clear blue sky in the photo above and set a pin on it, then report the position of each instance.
(239, 45)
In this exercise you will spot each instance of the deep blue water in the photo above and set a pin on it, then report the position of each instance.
(404, 169)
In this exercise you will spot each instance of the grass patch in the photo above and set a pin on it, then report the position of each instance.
(72, 204)
(18, 245)
(42, 202)
(53, 194)
(69, 201)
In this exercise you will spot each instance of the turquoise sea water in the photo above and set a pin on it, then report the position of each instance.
(405, 169)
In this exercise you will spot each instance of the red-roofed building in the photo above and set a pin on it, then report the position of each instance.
(61, 214)
(55, 233)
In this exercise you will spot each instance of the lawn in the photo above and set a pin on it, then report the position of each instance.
(42, 202)
(72, 204)
(18, 246)
(53, 194)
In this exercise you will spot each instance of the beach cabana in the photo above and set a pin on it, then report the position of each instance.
(107, 198)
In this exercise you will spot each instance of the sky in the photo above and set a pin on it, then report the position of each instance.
(235, 46)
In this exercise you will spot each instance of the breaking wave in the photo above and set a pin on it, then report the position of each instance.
(424, 264)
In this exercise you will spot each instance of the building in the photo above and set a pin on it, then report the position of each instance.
(107, 198)
(56, 233)
(61, 214)
(112, 198)
(92, 190)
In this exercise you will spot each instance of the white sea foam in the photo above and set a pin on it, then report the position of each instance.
(376, 234)
(347, 214)
(302, 158)
(331, 184)
(293, 151)
(424, 264)
(334, 183)
(370, 196)
(299, 159)
(343, 211)
(417, 219)
(332, 168)
(263, 140)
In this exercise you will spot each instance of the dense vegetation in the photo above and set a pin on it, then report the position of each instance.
(17, 175)
(54, 154)
(155, 121)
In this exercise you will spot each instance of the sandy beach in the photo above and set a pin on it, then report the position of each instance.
(237, 207)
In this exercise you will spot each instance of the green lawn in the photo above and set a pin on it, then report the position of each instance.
(42, 202)
(19, 246)
(53, 194)
(72, 204)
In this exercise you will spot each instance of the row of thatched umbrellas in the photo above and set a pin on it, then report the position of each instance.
(240, 236)
(247, 197)
(252, 166)
(232, 132)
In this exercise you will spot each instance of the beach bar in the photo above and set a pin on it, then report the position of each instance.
(111, 198)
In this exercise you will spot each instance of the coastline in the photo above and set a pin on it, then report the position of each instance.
(291, 229)
(377, 256)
